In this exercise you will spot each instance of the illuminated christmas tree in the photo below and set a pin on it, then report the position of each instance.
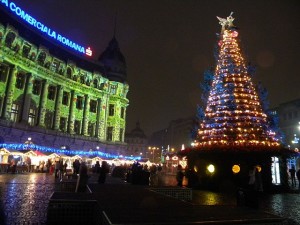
(234, 114)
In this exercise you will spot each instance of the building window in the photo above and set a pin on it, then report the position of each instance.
(101, 86)
(122, 112)
(109, 134)
(82, 79)
(62, 123)
(290, 115)
(113, 89)
(49, 120)
(91, 128)
(26, 49)
(69, 72)
(20, 82)
(77, 127)
(3, 72)
(51, 92)
(41, 58)
(10, 37)
(31, 117)
(111, 110)
(1, 101)
(79, 102)
(14, 112)
(37, 87)
(65, 98)
(295, 114)
(54, 66)
(121, 134)
(95, 83)
(93, 106)
(284, 116)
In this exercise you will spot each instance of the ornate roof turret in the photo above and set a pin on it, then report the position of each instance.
(114, 62)
(137, 131)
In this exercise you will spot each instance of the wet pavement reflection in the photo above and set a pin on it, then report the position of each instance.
(25, 197)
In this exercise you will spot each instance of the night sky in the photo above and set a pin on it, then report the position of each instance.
(169, 44)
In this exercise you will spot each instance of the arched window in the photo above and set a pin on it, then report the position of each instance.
(41, 58)
(69, 72)
(82, 80)
(10, 37)
(75, 77)
(95, 83)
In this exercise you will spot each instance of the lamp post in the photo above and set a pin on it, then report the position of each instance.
(153, 151)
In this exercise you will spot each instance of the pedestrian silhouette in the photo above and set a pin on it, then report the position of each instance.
(293, 177)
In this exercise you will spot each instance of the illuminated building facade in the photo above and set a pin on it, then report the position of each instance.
(56, 97)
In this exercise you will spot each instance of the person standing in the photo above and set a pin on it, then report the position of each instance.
(179, 176)
(293, 177)
(97, 167)
(61, 169)
(258, 184)
(104, 170)
(28, 162)
(56, 167)
(82, 179)
(298, 177)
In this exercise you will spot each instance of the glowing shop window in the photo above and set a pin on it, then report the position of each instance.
(275, 171)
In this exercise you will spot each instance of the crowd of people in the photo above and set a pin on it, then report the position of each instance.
(135, 173)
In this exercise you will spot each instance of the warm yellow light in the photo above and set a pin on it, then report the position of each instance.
(236, 169)
(196, 169)
(258, 167)
(211, 168)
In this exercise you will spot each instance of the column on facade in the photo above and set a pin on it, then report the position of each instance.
(124, 116)
(2, 102)
(42, 105)
(117, 125)
(104, 116)
(58, 101)
(26, 98)
(10, 87)
(86, 115)
(98, 118)
(70, 128)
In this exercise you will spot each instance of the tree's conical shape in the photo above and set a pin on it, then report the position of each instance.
(233, 115)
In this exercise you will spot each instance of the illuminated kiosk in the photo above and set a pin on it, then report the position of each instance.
(51, 91)
(235, 134)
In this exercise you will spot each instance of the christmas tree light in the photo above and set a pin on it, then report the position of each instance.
(233, 114)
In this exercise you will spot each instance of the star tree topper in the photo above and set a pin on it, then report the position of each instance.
(226, 22)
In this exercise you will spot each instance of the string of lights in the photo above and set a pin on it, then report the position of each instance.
(233, 114)
(24, 147)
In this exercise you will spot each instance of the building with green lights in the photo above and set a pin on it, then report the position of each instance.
(59, 98)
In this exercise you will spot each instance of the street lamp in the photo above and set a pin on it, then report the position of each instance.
(153, 149)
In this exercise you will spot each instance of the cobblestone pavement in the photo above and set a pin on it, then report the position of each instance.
(24, 199)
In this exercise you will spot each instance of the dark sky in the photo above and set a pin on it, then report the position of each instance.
(169, 44)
